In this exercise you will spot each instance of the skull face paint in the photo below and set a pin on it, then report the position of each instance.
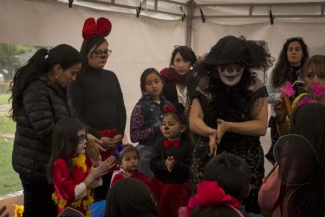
(231, 73)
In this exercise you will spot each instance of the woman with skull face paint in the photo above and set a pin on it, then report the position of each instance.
(171, 160)
(97, 96)
(229, 108)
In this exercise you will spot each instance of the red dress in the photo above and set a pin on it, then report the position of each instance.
(64, 185)
(135, 175)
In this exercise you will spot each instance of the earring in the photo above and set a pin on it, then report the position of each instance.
(56, 76)
(191, 68)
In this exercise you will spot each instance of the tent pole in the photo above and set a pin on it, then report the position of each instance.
(189, 23)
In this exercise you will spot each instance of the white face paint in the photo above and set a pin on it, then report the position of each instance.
(230, 74)
(81, 149)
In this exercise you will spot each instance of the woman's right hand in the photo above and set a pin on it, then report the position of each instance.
(107, 143)
(280, 110)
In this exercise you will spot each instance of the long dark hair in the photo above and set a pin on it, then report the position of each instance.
(85, 49)
(39, 64)
(281, 72)
(64, 143)
(144, 75)
(130, 197)
(216, 210)
(308, 120)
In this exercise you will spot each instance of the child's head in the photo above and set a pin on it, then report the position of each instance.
(130, 197)
(314, 71)
(308, 120)
(128, 158)
(175, 122)
(151, 82)
(231, 173)
(69, 138)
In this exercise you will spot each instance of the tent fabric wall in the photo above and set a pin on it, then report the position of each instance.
(139, 43)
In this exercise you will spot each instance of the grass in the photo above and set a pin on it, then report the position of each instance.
(4, 98)
(9, 179)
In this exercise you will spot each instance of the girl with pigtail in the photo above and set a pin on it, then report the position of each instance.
(171, 160)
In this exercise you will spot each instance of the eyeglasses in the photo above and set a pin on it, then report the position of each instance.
(82, 139)
(99, 53)
(230, 66)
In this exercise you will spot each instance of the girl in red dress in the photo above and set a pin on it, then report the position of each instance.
(67, 168)
(171, 160)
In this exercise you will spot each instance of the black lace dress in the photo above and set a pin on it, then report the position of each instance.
(231, 104)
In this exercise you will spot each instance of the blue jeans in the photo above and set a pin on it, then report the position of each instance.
(145, 153)
(38, 198)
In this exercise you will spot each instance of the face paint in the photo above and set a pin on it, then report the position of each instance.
(230, 74)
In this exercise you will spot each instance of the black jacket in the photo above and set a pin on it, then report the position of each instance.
(44, 103)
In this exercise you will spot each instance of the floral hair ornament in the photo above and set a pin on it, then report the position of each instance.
(176, 108)
(210, 193)
(287, 92)
(317, 89)
(91, 29)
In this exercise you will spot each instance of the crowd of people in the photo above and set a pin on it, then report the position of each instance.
(198, 125)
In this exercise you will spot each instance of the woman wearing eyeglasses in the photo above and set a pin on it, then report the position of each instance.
(97, 95)
(175, 76)
(288, 68)
(229, 108)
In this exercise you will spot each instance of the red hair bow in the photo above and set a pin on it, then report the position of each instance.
(91, 30)
(168, 108)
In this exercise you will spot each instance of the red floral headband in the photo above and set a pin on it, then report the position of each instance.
(91, 29)
(176, 108)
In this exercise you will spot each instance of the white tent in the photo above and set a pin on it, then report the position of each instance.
(147, 41)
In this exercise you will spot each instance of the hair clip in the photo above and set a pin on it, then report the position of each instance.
(176, 108)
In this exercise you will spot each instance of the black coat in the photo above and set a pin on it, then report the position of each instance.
(44, 103)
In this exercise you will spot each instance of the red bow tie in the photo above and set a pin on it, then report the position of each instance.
(168, 143)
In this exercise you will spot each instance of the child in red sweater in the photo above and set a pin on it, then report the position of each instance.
(127, 158)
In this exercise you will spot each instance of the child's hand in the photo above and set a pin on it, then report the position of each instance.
(126, 174)
(109, 162)
(98, 171)
(170, 163)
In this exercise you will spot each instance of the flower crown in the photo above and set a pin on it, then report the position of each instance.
(91, 29)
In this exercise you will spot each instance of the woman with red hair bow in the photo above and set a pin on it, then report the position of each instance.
(97, 95)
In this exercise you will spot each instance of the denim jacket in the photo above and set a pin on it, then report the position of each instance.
(146, 119)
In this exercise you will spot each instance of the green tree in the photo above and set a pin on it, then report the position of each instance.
(10, 58)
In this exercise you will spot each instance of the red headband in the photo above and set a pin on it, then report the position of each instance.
(91, 30)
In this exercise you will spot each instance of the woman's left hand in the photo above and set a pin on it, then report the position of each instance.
(117, 138)
(93, 147)
(223, 127)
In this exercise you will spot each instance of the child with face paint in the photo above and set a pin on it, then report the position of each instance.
(67, 168)
(146, 117)
(171, 160)
(229, 108)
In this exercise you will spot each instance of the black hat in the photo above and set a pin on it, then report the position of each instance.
(253, 54)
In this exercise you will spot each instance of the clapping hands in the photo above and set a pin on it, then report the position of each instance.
(170, 163)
